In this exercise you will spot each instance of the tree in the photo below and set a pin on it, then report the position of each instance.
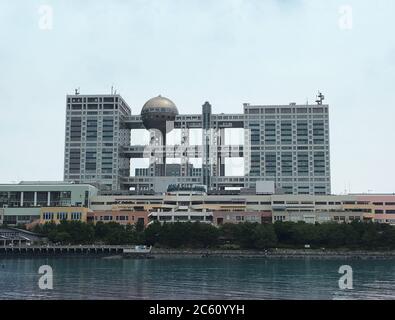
(62, 237)
(152, 233)
(139, 226)
(264, 236)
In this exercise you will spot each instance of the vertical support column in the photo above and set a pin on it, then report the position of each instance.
(154, 159)
(184, 147)
(49, 199)
(35, 199)
(163, 164)
(21, 204)
(220, 153)
(206, 136)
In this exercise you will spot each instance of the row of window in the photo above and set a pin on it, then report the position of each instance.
(93, 99)
(385, 211)
(110, 218)
(62, 216)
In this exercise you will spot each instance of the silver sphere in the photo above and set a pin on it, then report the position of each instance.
(157, 111)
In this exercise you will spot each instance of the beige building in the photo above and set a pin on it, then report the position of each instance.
(122, 214)
(237, 208)
(58, 214)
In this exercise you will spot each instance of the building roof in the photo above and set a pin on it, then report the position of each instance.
(159, 102)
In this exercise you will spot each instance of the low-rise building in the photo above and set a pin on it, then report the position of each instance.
(222, 217)
(22, 202)
(13, 236)
(377, 207)
(58, 214)
(122, 216)
(175, 216)
(236, 207)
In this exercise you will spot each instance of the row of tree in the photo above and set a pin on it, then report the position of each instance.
(244, 235)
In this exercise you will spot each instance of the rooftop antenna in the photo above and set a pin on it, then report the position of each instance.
(77, 91)
(112, 90)
(320, 98)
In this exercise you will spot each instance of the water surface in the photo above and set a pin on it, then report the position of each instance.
(195, 278)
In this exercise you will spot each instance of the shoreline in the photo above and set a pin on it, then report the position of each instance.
(163, 253)
(273, 254)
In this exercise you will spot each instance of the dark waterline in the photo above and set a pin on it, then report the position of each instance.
(189, 278)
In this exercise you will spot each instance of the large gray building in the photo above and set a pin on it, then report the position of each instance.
(287, 144)
(95, 139)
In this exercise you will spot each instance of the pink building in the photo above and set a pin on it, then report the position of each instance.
(381, 206)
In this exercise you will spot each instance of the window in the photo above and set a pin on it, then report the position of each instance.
(286, 132)
(255, 164)
(270, 132)
(76, 216)
(318, 132)
(286, 163)
(48, 216)
(14, 199)
(74, 160)
(107, 161)
(319, 163)
(91, 130)
(90, 161)
(28, 199)
(303, 163)
(270, 164)
(75, 129)
(62, 215)
(108, 129)
(255, 136)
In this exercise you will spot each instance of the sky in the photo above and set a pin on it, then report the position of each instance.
(227, 52)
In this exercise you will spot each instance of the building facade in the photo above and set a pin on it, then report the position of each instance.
(286, 144)
(42, 202)
(22, 203)
(183, 206)
(94, 139)
(122, 215)
(289, 145)
(59, 214)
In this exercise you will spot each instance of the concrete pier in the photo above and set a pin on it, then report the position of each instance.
(52, 250)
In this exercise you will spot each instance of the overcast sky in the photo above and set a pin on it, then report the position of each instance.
(225, 51)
